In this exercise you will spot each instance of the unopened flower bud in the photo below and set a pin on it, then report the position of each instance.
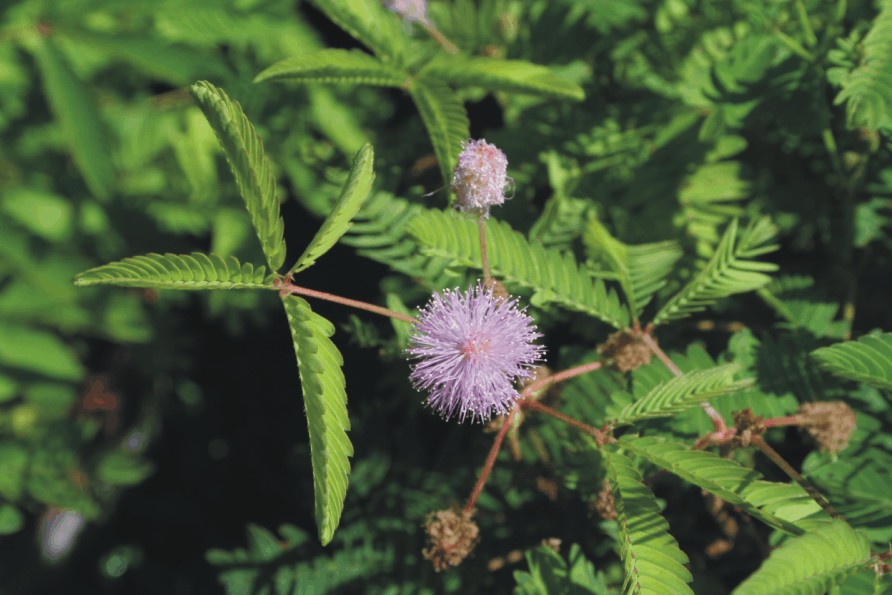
(480, 178)
(451, 535)
(411, 10)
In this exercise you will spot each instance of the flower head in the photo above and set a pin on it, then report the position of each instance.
(411, 10)
(451, 535)
(481, 177)
(469, 348)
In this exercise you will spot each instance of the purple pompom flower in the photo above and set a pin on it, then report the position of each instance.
(411, 10)
(469, 349)
(481, 177)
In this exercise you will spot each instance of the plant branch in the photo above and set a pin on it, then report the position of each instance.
(538, 385)
(439, 37)
(600, 436)
(484, 257)
(286, 287)
(717, 420)
(491, 459)
(788, 469)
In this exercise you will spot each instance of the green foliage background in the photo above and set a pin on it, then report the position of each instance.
(666, 154)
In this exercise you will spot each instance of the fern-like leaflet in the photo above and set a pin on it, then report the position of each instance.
(250, 166)
(178, 271)
(868, 360)
(325, 399)
(731, 270)
(555, 276)
(653, 562)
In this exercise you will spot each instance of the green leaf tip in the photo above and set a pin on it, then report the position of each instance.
(353, 194)
(249, 164)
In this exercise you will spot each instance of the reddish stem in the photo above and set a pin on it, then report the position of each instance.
(598, 435)
(288, 287)
(777, 422)
(491, 459)
(717, 420)
(538, 385)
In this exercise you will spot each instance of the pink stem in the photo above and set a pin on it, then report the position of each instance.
(288, 287)
(481, 224)
(491, 459)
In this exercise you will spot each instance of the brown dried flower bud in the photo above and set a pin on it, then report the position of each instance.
(451, 535)
(625, 351)
(497, 288)
(830, 423)
(603, 504)
(747, 425)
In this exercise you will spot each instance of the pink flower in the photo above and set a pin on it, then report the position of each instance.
(481, 177)
(469, 349)
(411, 10)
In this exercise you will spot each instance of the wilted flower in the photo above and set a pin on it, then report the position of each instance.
(411, 10)
(481, 177)
(830, 423)
(451, 535)
(469, 348)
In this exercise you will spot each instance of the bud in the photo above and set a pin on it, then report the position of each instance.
(451, 535)
(625, 351)
(830, 423)
(411, 10)
(604, 504)
(480, 178)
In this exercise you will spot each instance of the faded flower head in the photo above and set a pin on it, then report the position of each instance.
(469, 348)
(451, 535)
(625, 351)
(830, 423)
(481, 177)
(411, 10)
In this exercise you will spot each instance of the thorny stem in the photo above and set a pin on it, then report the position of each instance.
(288, 287)
(788, 469)
(717, 420)
(491, 459)
(439, 37)
(484, 258)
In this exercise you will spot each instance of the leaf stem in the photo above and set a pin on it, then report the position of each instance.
(788, 469)
(484, 258)
(717, 420)
(538, 385)
(600, 436)
(286, 287)
(491, 459)
(439, 37)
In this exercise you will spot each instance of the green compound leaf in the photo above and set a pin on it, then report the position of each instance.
(250, 166)
(554, 275)
(446, 121)
(867, 89)
(653, 562)
(731, 270)
(640, 269)
(325, 400)
(779, 505)
(513, 76)
(334, 66)
(78, 117)
(868, 360)
(368, 22)
(178, 271)
(810, 563)
(683, 392)
(353, 194)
